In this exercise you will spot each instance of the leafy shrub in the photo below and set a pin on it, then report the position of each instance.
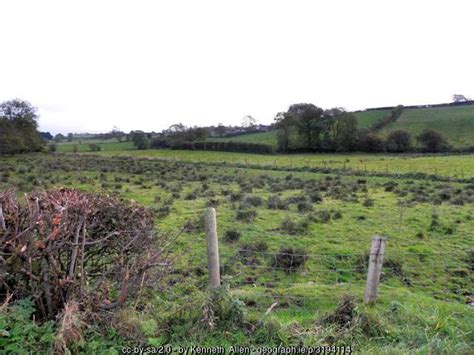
(398, 141)
(19, 334)
(254, 201)
(94, 147)
(368, 202)
(304, 206)
(432, 141)
(276, 202)
(246, 215)
(232, 236)
(315, 197)
(289, 258)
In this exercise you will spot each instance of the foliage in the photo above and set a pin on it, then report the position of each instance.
(432, 141)
(225, 146)
(139, 139)
(398, 141)
(18, 128)
(369, 142)
(290, 258)
(20, 334)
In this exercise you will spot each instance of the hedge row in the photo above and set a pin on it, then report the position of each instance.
(230, 146)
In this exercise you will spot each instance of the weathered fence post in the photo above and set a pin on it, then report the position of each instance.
(375, 268)
(210, 226)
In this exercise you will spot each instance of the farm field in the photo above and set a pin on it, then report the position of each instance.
(105, 145)
(260, 138)
(455, 166)
(366, 118)
(324, 220)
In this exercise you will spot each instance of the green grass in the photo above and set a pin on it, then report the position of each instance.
(445, 165)
(260, 138)
(366, 118)
(428, 314)
(105, 145)
(456, 123)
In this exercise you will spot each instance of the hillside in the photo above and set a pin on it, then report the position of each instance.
(261, 138)
(456, 123)
(366, 118)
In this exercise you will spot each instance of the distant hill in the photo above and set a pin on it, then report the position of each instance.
(366, 118)
(455, 122)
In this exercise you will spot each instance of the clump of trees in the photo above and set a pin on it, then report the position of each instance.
(306, 127)
(432, 141)
(316, 129)
(18, 128)
(140, 140)
(398, 141)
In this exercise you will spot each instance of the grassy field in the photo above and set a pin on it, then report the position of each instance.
(458, 166)
(105, 145)
(260, 138)
(456, 123)
(328, 217)
(366, 118)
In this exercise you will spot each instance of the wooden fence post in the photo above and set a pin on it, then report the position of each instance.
(375, 268)
(210, 226)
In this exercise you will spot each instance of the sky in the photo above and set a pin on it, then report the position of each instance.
(90, 66)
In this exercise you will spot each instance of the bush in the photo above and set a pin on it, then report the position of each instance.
(232, 236)
(254, 201)
(290, 259)
(230, 146)
(246, 215)
(275, 202)
(398, 141)
(94, 147)
(432, 141)
(69, 228)
(368, 202)
(370, 143)
(52, 148)
(304, 206)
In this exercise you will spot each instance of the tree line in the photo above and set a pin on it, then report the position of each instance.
(305, 127)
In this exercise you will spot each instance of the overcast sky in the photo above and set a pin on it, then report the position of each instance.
(93, 65)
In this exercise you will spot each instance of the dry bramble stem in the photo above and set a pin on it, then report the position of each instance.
(67, 245)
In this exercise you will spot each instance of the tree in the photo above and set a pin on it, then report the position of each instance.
(284, 121)
(340, 130)
(460, 98)
(70, 136)
(18, 123)
(369, 142)
(249, 122)
(432, 141)
(46, 135)
(220, 130)
(310, 124)
(58, 138)
(140, 141)
(398, 141)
